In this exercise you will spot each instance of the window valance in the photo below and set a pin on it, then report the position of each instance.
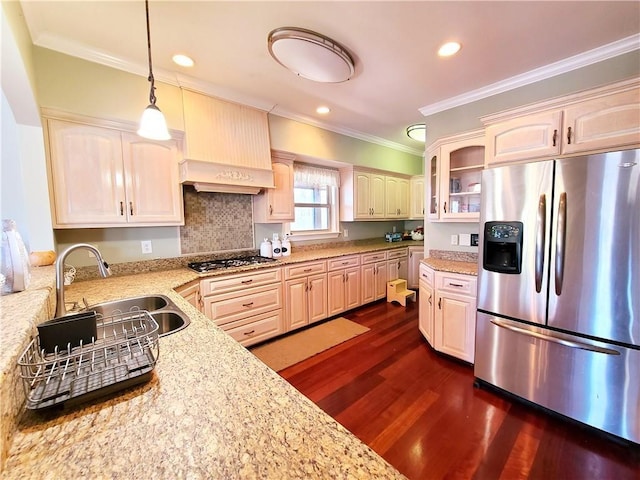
(310, 176)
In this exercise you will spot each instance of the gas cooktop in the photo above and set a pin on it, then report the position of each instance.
(218, 264)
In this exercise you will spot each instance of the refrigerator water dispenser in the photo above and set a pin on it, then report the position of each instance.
(502, 249)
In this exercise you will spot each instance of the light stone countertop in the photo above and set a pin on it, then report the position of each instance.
(451, 266)
(211, 410)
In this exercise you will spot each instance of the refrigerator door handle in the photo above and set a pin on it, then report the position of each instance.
(560, 242)
(551, 338)
(540, 240)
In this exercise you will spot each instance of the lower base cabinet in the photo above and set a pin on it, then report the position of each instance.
(448, 313)
(305, 294)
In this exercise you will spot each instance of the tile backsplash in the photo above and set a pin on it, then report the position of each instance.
(216, 222)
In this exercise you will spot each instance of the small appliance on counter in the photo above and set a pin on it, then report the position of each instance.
(14, 262)
(393, 237)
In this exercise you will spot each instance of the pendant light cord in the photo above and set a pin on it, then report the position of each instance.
(152, 95)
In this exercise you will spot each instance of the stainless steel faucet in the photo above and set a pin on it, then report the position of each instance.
(103, 268)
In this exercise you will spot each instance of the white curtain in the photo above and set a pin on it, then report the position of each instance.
(308, 176)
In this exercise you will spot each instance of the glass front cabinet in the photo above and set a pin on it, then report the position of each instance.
(455, 166)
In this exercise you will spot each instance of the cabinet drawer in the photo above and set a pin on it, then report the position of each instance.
(344, 262)
(456, 283)
(373, 257)
(256, 328)
(427, 275)
(238, 305)
(229, 283)
(304, 269)
(397, 253)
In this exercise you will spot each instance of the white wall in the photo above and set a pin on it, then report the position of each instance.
(23, 179)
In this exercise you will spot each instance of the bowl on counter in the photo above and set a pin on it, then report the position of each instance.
(417, 236)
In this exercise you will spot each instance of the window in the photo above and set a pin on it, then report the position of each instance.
(315, 196)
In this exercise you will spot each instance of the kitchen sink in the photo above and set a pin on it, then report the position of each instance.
(167, 315)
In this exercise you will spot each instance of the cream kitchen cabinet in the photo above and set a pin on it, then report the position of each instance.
(362, 195)
(343, 284)
(276, 205)
(596, 120)
(305, 294)
(396, 197)
(104, 177)
(417, 198)
(248, 306)
(415, 255)
(374, 276)
(455, 315)
(191, 293)
(397, 264)
(457, 163)
(426, 303)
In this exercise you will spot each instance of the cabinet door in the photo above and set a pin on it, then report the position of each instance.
(87, 174)
(524, 138)
(426, 312)
(336, 292)
(397, 268)
(276, 204)
(377, 195)
(317, 297)
(153, 191)
(362, 187)
(403, 198)
(461, 165)
(392, 189)
(296, 303)
(368, 283)
(415, 255)
(381, 276)
(455, 326)
(352, 288)
(606, 122)
(433, 185)
(416, 209)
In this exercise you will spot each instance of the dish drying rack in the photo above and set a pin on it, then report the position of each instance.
(123, 354)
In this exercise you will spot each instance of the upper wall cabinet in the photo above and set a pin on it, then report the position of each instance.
(276, 205)
(104, 177)
(417, 205)
(372, 195)
(455, 165)
(591, 121)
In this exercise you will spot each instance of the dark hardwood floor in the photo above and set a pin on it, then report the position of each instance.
(421, 412)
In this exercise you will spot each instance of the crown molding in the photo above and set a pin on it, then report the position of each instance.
(590, 57)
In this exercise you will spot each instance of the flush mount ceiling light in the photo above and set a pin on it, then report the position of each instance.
(417, 131)
(310, 55)
(448, 49)
(323, 110)
(152, 124)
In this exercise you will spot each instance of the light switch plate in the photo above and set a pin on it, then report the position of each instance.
(465, 239)
(454, 239)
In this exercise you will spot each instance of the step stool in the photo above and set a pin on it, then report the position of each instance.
(397, 291)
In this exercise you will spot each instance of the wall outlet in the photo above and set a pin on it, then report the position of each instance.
(146, 246)
(474, 239)
(465, 239)
(454, 239)
(345, 233)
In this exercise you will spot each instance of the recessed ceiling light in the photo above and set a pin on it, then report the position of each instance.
(323, 110)
(183, 60)
(448, 49)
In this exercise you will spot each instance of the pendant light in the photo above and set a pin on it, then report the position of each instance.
(152, 124)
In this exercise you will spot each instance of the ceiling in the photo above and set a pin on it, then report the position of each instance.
(398, 75)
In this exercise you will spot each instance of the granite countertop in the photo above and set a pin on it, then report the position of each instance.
(211, 410)
(451, 266)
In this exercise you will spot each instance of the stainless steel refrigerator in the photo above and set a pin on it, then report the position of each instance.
(558, 319)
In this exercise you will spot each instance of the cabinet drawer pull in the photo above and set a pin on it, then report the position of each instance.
(425, 276)
(247, 304)
(244, 282)
(307, 270)
(249, 332)
(458, 285)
